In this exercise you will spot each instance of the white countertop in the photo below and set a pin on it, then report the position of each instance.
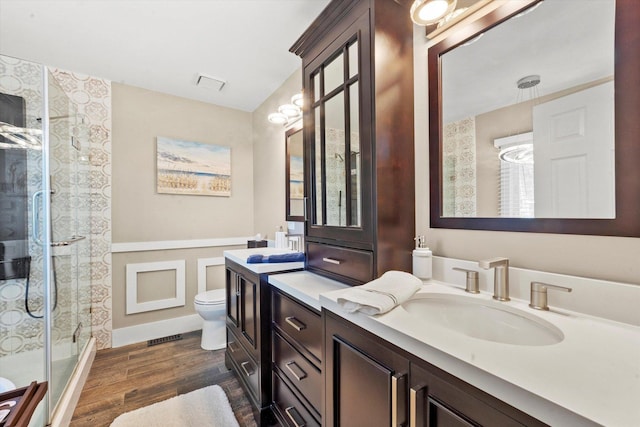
(305, 286)
(240, 256)
(591, 377)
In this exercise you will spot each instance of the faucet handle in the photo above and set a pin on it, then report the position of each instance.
(539, 299)
(472, 280)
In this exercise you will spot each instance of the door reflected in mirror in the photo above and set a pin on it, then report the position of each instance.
(528, 116)
(294, 182)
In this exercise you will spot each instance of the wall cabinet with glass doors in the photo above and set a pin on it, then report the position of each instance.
(358, 134)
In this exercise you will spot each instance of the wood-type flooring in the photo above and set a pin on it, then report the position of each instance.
(127, 378)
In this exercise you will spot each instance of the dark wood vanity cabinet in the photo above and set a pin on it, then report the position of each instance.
(357, 60)
(248, 351)
(297, 362)
(368, 381)
(365, 382)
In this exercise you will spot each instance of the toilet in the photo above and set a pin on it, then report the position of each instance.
(210, 305)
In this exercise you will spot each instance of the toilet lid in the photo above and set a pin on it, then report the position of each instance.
(216, 296)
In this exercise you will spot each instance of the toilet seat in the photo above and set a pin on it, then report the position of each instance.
(214, 297)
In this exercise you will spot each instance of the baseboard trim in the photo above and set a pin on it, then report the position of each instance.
(178, 244)
(69, 399)
(148, 331)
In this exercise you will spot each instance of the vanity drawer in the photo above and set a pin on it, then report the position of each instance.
(289, 408)
(300, 372)
(352, 263)
(299, 323)
(246, 367)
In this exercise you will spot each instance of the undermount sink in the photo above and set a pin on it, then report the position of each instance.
(482, 319)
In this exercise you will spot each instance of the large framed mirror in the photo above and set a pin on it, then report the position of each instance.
(294, 173)
(533, 120)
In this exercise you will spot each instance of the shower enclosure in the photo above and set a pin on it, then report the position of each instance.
(45, 215)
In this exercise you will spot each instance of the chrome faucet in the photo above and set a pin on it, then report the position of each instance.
(500, 278)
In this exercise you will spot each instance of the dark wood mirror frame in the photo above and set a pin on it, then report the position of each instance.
(627, 133)
(291, 131)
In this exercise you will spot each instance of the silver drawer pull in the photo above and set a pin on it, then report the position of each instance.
(296, 370)
(416, 412)
(233, 346)
(295, 417)
(331, 261)
(249, 371)
(298, 325)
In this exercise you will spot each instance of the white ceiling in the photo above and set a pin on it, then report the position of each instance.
(162, 45)
(565, 42)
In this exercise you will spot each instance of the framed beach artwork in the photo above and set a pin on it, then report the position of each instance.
(296, 177)
(195, 168)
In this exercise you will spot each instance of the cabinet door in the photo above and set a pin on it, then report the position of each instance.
(366, 383)
(248, 306)
(434, 402)
(338, 136)
(233, 298)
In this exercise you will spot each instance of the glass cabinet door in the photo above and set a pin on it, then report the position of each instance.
(336, 170)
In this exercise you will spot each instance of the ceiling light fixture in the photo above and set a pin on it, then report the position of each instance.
(522, 153)
(427, 12)
(528, 84)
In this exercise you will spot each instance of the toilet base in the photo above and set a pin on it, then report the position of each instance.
(214, 336)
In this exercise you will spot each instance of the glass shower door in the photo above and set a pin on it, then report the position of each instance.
(22, 257)
(70, 325)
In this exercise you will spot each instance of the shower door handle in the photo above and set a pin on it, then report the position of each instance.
(71, 240)
(35, 216)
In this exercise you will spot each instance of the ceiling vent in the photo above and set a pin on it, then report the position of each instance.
(209, 82)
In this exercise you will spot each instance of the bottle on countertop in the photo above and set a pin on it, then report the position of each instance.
(281, 238)
(422, 259)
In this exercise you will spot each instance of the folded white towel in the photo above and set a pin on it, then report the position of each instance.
(380, 295)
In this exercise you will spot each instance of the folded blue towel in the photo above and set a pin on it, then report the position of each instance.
(255, 259)
(290, 257)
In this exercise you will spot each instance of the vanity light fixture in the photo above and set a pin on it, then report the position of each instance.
(289, 110)
(288, 113)
(450, 16)
(278, 118)
(297, 100)
(427, 12)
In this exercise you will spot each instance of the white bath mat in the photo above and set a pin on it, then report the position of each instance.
(207, 407)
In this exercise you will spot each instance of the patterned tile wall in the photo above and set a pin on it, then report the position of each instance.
(336, 181)
(91, 99)
(459, 168)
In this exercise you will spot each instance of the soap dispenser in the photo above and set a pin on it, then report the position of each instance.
(422, 266)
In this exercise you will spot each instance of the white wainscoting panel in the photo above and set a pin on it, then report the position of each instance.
(203, 263)
(133, 306)
(178, 244)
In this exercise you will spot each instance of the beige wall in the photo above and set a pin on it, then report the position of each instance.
(140, 214)
(609, 258)
(269, 159)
